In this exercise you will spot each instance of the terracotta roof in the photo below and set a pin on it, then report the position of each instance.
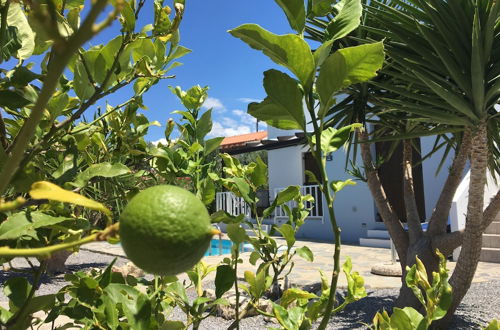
(241, 140)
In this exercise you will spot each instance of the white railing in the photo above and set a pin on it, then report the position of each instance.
(232, 204)
(316, 207)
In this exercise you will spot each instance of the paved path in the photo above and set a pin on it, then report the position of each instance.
(304, 272)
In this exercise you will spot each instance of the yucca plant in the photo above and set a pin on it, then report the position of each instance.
(441, 78)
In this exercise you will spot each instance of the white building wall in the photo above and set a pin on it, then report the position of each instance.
(285, 167)
(354, 207)
(433, 183)
(273, 133)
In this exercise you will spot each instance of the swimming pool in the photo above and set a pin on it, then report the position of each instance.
(223, 246)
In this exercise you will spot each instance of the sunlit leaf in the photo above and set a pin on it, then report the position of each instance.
(50, 191)
(288, 50)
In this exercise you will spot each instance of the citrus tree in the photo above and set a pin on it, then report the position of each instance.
(317, 77)
(45, 138)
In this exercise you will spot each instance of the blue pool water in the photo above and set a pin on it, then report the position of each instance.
(223, 246)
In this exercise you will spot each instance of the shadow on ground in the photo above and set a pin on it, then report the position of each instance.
(46, 279)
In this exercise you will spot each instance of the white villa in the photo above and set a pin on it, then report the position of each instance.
(356, 213)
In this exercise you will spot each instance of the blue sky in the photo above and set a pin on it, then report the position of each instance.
(231, 69)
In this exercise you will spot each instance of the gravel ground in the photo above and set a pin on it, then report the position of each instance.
(480, 305)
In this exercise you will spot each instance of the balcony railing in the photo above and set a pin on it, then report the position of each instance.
(316, 207)
(229, 202)
(232, 204)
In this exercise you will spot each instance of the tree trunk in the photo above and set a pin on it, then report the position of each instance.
(389, 217)
(425, 252)
(56, 264)
(424, 245)
(472, 240)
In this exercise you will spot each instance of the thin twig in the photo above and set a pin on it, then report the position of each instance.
(139, 7)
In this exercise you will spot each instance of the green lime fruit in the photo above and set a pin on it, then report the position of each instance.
(165, 230)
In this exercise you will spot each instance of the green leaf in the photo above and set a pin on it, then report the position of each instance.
(223, 216)
(224, 279)
(128, 17)
(322, 53)
(236, 233)
(17, 18)
(312, 177)
(162, 23)
(57, 104)
(258, 283)
(288, 50)
(173, 325)
(290, 319)
(493, 325)
(179, 52)
(288, 233)
(144, 48)
(339, 184)
(135, 304)
(401, 320)
(254, 257)
(347, 19)
(355, 283)
(455, 100)
(283, 107)
(293, 294)
(348, 66)
(282, 197)
(243, 189)
(212, 144)
(24, 224)
(141, 85)
(193, 98)
(477, 66)
(47, 190)
(178, 289)
(204, 125)
(81, 83)
(295, 13)
(106, 170)
(17, 290)
(321, 7)
(262, 282)
(207, 191)
(40, 303)
(110, 311)
(333, 139)
(305, 253)
(259, 174)
(12, 100)
(22, 76)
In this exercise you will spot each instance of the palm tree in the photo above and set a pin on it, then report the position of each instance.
(443, 76)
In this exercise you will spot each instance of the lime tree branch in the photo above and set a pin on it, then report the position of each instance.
(63, 51)
(320, 159)
(45, 252)
(104, 115)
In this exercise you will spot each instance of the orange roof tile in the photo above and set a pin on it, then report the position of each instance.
(232, 141)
